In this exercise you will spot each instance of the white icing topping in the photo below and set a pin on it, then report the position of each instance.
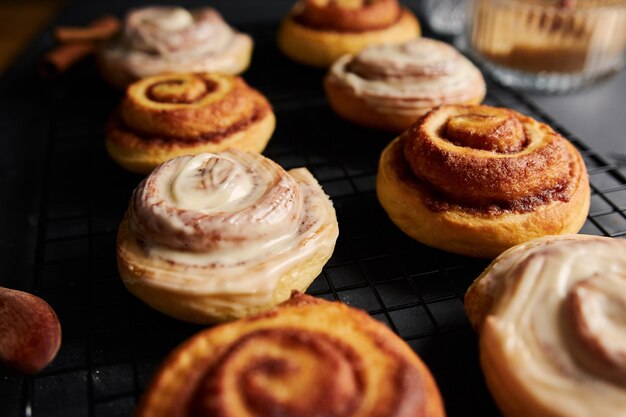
(167, 19)
(234, 221)
(171, 39)
(559, 322)
(209, 185)
(410, 77)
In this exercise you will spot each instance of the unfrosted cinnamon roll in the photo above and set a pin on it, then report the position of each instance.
(214, 237)
(157, 40)
(165, 116)
(551, 315)
(477, 180)
(317, 32)
(307, 357)
(391, 86)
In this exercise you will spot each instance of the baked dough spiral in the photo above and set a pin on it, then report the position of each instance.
(156, 40)
(317, 32)
(551, 314)
(165, 116)
(219, 236)
(477, 180)
(391, 86)
(306, 357)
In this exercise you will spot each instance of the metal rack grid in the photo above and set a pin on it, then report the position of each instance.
(112, 342)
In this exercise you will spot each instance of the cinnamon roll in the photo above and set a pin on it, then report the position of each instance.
(165, 116)
(391, 86)
(307, 357)
(476, 180)
(219, 236)
(317, 32)
(550, 314)
(156, 40)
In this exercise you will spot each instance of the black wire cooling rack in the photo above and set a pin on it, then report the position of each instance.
(112, 343)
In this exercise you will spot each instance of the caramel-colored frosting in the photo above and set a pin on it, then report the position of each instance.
(228, 225)
(488, 158)
(409, 78)
(187, 107)
(157, 40)
(552, 314)
(307, 357)
(347, 15)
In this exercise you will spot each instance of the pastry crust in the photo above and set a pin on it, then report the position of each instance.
(549, 313)
(391, 86)
(465, 206)
(157, 40)
(321, 47)
(170, 115)
(217, 237)
(305, 357)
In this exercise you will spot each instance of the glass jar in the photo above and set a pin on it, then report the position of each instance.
(550, 46)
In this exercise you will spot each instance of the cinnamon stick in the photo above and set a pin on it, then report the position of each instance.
(76, 43)
(100, 29)
(61, 58)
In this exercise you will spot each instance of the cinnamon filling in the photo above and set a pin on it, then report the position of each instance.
(438, 201)
(349, 15)
(181, 91)
(270, 372)
(490, 132)
(216, 136)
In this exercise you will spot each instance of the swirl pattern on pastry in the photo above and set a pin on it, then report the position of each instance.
(176, 114)
(486, 179)
(306, 357)
(156, 40)
(318, 32)
(233, 231)
(348, 15)
(551, 314)
(391, 86)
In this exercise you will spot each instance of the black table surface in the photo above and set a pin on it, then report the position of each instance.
(41, 126)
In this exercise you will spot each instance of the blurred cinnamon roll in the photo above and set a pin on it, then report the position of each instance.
(551, 314)
(165, 116)
(391, 86)
(477, 180)
(157, 40)
(219, 236)
(308, 357)
(317, 32)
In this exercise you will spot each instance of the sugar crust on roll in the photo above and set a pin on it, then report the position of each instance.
(305, 357)
(161, 39)
(170, 115)
(214, 237)
(391, 86)
(477, 180)
(318, 32)
(550, 315)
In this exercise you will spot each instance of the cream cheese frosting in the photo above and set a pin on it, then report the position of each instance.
(156, 40)
(553, 341)
(409, 78)
(228, 225)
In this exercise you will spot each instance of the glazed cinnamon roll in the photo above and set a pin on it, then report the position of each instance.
(317, 32)
(551, 314)
(476, 180)
(307, 357)
(157, 40)
(165, 116)
(219, 236)
(391, 86)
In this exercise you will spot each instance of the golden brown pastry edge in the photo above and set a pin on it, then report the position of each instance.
(320, 48)
(476, 235)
